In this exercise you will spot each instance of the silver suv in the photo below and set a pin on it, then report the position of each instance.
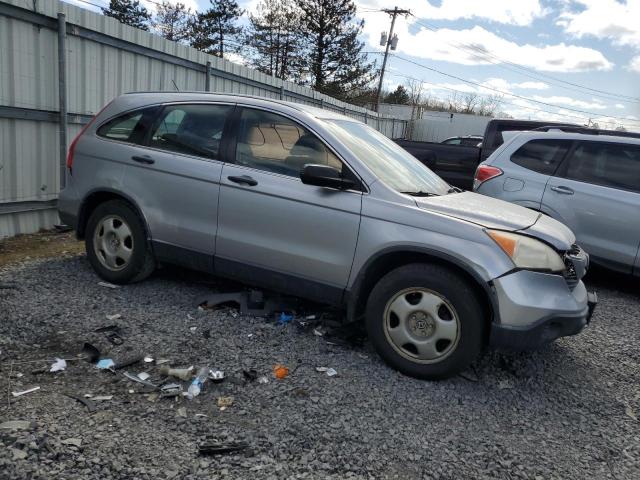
(312, 203)
(591, 183)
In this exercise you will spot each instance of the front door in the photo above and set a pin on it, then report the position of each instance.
(596, 193)
(275, 231)
(176, 182)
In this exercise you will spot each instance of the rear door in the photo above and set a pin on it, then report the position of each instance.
(275, 231)
(596, 193)
(176, 181)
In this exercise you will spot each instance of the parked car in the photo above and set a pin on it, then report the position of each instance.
(457, 163)
(591, 183)
(312, 203)
(467, 141)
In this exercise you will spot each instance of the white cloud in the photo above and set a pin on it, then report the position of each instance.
(570, 102)
(483, 47)
(619, 106)
(532, 86)
(503, 85)
(604, 19)
(512, 12)
(634, 64)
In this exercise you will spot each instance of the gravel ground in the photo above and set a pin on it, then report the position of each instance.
(568, 411)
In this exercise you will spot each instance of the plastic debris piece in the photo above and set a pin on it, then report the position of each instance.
(216, 376)
(181, 373)
(113, 317)
(200, 415)
(102, 398)
(280, 371)
(332, 372)
(170, 390)
(105, 363)
(143, 376)
(76, 442)
(317, 332)
(284, 318)
(221, 448)
(15, 425)
(310, 317)
(91, 353)
(224, 402)
(108, 285)
(25, 392)
(59, 365)
(198, 383)
(321, 369)
(91, 407)
(193, 329)
(148, 359)
(250, 375)
(263, 379)
(137, 379)
(182, 412)
(162, 361)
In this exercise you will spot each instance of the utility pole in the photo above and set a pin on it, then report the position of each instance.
(390, 41)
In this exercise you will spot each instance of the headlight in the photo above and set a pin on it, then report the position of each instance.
(527, 252)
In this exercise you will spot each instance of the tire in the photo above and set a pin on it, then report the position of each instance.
(425, 321)
(116, 244)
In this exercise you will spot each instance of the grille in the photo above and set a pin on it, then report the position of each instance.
(570, 275)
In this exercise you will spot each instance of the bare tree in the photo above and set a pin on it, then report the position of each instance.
(489, 105)
(469, 102)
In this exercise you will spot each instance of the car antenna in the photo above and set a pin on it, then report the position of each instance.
(174, 85)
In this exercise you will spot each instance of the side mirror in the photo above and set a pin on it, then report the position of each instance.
(325, 176)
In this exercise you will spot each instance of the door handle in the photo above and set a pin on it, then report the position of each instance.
(143, 159)
(562, 189)
(244, 179)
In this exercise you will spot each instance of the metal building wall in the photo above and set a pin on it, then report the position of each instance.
(104, 59)
(437, 126)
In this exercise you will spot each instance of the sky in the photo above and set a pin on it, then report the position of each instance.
(556, 60)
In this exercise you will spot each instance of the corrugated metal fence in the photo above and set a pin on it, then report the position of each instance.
(59, 64)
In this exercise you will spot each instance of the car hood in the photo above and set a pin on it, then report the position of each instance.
(497, 214)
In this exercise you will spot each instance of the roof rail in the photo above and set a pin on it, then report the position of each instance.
(568, 129)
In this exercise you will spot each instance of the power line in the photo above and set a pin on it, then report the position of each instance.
(502, 92)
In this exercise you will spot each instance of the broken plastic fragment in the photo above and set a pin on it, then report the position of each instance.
(143, 376)
(59, 365)
(331, 372)
(216, 376)
(224, 402)
(105, 363)
(113, 317)
(280, 371)
(148, 359)
(284, 318)
(24, 392)
(102, 398)
(263, 379)
(108, 285)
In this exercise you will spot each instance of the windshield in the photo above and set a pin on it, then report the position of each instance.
(388, 161)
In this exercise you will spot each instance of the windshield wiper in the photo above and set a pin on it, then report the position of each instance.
(421, 194)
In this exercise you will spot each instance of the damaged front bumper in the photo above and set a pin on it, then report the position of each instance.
(536, 308)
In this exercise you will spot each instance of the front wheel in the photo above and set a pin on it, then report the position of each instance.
(425, 321)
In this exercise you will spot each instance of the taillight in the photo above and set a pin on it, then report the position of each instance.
(484, 173)
(72, 146)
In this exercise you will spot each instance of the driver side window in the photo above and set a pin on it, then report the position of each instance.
(273, 143)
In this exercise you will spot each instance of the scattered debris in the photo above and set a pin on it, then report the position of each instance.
(198, 383)
(162, 361)
(250, 303)
(24, 392)
(112, 333)
(90, 353)
(193, 329)
(331, 372)
(135, 378)
(108, 285)
(284, 318)
(170, 390)
(630, 413)
(76, 442)
(200, 415)
(127, 361)
(505, 385)
(105, 364)
(102, 398)
(148, 359)
(280, 371)
(250, 375)
(182, 412)
(263, 379)
(216, 376)
(113, 317)
(221, 448)
(181, 373)
(85, 401)
(59, 365)
(143, 376)
(224, 402)
(16, 425)
(317, 332)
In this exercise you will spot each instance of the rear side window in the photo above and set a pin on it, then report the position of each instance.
(542, 156)
(126, 128)
(191, 129)
(607, 164)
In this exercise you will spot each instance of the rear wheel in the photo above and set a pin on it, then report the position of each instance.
(117, 245)
(425, 321)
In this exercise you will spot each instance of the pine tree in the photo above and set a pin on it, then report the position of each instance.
(129, 12)
(274, 38)
(399, 96)
(334, 59)
(172, 21)
(215, 26)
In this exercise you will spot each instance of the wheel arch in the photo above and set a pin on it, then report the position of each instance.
(391, 258)
(97, 197)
